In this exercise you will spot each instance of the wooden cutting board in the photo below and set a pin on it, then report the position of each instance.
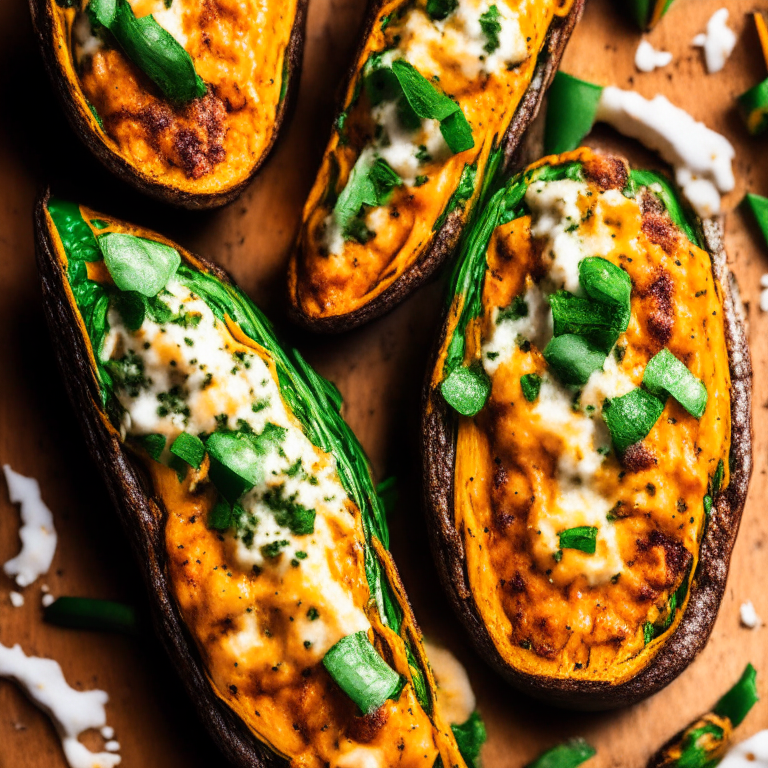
(378, 368)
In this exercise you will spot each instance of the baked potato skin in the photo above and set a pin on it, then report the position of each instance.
(447, 237)
(438, 438)
(141, 514)
(83, 123)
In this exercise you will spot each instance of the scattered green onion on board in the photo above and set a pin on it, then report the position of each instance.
(753, 103)
(568, 755)
(646, 13)
(89, 613)
(737, 702)
(361, 672)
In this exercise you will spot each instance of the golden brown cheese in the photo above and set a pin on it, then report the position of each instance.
(324, 284)
(238, 49)
(546, 616)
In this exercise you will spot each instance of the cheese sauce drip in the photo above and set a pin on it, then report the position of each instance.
(482, 54)
(238, 48)
(263, 603)
(526, 471)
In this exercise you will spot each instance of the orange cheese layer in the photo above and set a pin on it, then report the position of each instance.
(238, 49)
(543, 614)
(325, 285)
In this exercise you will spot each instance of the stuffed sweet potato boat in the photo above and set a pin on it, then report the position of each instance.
(182, 99)
(248, 502)
(435, 88)
(586, 431)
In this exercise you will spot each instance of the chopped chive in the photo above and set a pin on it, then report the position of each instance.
(189, 448)
(666, 375)
(631, 417)
(583, 538)
(573, 359)
(466, 389)
(220, 516)
(153, 444)
(530, 383)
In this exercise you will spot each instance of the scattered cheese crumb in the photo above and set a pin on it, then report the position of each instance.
(748, 615)
(17, 599)
(764, 293)
(48, 600)
(45, 588)
(37, 534)
(112, 746)
(647, 58)
(72, 711)
(718, 41)
(108, 732)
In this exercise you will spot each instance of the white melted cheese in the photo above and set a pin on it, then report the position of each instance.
(37, 532)
(647, 58)
(170, 18)
(718, 41)
(702, 158)
(213, 381)
(752, 753)
(86, 42)
(454, 691)
(556, 213)
(72, 711)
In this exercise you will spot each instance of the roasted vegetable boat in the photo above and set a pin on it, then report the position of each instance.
(586, 431)
(435, 87)
(182, 99)
(248, 502)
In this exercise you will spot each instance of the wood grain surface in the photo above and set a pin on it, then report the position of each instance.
(378, 368)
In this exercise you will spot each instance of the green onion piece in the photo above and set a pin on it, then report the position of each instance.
(153, 444)
(491, 26)
(220, 516)
(439, 9)
(517, 309)
(737, 702)
(573, 359)
(708, 505)
(151, 48)
(631, 417)
(386, 490)
(605, 282)
(666, 375)
(361, 672)
(592, 320)
(530, 383)
(759, 207)
(89, 613)
(466, 389)
(137, 264)
(370, 183)
(236, 463)
(132, 307)
(470, 737)
(571, 112)
(753, 106)
(717, 478)
(461, 194)
(189, 448)
(430, 104)
(568, 755)
(583, 538)
(701, 747)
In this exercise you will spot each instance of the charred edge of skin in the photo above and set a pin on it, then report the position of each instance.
(446, 239)
(70, 97)
(141, 515)
(438, 436)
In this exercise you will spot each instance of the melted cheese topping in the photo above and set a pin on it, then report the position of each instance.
(527, 471)
(330, 275)
(262, 621)
(238, 48)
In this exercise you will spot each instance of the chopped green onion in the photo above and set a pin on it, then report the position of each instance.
(717, 478)
(220, 516)
(189, 448)
(470, 737)
(132, 307)
(466, 389)
(386, 490)
(583, 538)
(753, 106)
(604, 281)
(361, 672)
(530, 383)
(138, 264)
(571, 111)
(592, 320)
(568, 755)
(631, 417)
(737, 702)
(154, 50)
(491, 26)
(153, 444)
(439, 9)
(573, 359)
(517, 309)
(461, 194)
(759, 207)
(708, 505)
(666, 375)
(89, 613)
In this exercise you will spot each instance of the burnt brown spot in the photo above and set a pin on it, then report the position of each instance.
(637, 458)
(365, 729)
(607, 172)
(659, 229)
(516, 585)
(675, 559)
(661, 318)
